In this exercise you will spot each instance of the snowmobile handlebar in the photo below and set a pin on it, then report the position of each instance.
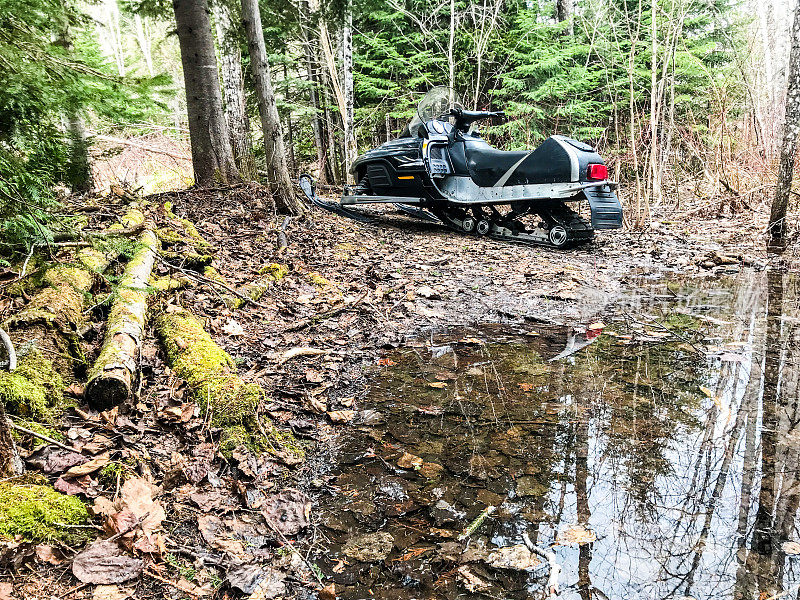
(465, 118)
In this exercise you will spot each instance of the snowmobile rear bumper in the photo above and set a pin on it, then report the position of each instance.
(605, 206)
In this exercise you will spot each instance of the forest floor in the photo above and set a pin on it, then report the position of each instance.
(352, 292)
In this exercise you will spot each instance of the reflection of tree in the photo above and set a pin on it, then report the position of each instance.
(761, 569)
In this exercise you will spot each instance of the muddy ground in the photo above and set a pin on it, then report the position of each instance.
(352, 293)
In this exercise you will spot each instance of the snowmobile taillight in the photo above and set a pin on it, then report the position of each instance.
(597, 172)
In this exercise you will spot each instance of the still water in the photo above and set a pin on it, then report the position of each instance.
(656, 455)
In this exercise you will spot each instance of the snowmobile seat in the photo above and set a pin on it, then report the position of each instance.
(486, 165)
(549, 163)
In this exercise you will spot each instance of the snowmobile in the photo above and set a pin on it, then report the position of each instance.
(440, 169)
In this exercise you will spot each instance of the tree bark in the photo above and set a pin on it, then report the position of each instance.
(312, 65)
(78, 172)
(780, 203)
(10, 462)
(110, 381)
(564, 12)
(348, 119)
(212, 157)
(233, 91)
(270, 120)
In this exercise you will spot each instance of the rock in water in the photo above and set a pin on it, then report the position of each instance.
(371, 547)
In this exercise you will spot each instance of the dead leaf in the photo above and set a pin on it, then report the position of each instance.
(410, 461)
(706, 391)
(329, 591)
(791, 548)
(516, 557)
(110, 592)
(596, 325)
(104, 562)
(137, 496)
(526, 387)
(259, 582)
(342, 416)
(287, 511)
(49, 554)
(575, 534)
(300, 351)
(233, 328)
(6, 591)
(95, 464)
(437, 384)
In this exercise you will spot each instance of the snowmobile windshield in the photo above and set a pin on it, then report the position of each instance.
(436, 103)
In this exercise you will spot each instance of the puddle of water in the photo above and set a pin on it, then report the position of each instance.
(676, 448)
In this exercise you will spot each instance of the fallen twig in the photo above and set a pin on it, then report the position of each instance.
(283, 241)
(41, 436)
(176, 584)
(293, 549)
(555, 568)
(328, 314)
(208, 280)
(473, 527)
(12, 356)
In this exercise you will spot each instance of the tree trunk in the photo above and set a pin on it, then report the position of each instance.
(233, 91)
(777, 216)
(212, 157)
(289, 131)
(312, 64)
(144, 40)
(78, 173)
(564, 12)
(270, 120)
(348, 119)
(114, 371)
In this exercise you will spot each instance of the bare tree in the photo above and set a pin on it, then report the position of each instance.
(270, 120)
(780, 203)
(233, 90)
(312, 66)
(212, 157)
(348, 117)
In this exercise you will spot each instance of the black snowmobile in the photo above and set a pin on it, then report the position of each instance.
(441, 169)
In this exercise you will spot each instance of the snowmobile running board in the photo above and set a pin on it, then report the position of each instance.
(576, 230)
(350, 200)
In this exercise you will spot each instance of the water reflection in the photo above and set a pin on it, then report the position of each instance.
(673, 438)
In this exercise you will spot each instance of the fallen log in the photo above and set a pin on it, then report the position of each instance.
(111, 378)
(229, 402)
(45, 332)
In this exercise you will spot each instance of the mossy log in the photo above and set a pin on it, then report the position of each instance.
(112, 376)
(45, 332)
(10, 462)
(216, 386)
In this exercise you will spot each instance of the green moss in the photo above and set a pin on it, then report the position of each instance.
(211, 375)
(39, 513)
(33, 390)
(114, 471)
(208, 369)
(276, 270)
(318, 280)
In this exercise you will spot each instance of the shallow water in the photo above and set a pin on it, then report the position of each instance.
(667, 444)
